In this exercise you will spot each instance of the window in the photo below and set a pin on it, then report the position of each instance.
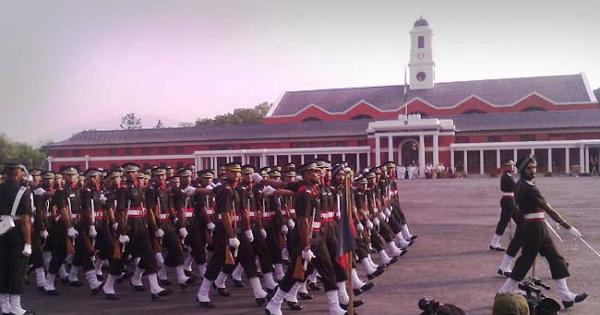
(473, 111)
(179, 165)
(113, 151)
(527, 138)
(462, 139)
(357, 117)
(145, 151)
(421, 43)
(493, 139)
(76, 152)
(113, 166)
(146, 165)
(162, 150)
(534, 109)
(179, 149)
(61, 153)
(129, 151)
(362, 142)
(312, 119)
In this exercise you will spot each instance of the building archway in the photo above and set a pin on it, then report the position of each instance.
(408, 152)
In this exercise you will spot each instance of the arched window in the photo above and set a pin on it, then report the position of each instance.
(361, 117)
(419, 113)
(311, 119)
(473, 111)
(534, 109)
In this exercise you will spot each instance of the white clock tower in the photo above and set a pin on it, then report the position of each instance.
(421, 66)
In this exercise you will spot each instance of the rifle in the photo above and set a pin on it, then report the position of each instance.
(126, 219)
(281, 239)
(116, 244)
(71, 244)
(229, 257)
(209, 233)
(93, 219)
(301, 264)
(157, 243)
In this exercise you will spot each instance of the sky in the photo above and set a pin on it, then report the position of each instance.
(66, 66)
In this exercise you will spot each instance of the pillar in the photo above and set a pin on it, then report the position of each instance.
(567, 161)
(481, 170)
(515, 155)
(421, 156)
(87, 161)
(581, 159)
(436, 151)
(49, 163)
(465, 168)
(377, 150)
(549, 160)
(390, 148)
(587, 160)
(357, 162)
(452, 161)
(498, 158)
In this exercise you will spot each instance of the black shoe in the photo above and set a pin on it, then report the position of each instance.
(294, 306)
(239, 283)
(414, 237)
(187, 283)
(111, 296)
(164, 283)
(137, 288)
(156, 296)
(305, 296)
(41, 289)
(75, 284)
(394, 260)
(375, 274)
(357, 292)
(96, 290)
(578, 299)
(356, 303)
(189, 273)
(498, 249)
(206, 304)
(100, 278)
(368, 286)
(51, 292)
(271, 293)
(260, 301)
(223, 292)
(314, 286)
(403, 251)
(64, 280)
(502, 273)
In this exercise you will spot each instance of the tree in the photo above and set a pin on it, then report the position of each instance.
(131, 122)
(32, 158)
(253, 115)
(159, 125)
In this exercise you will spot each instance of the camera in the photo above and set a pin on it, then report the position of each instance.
(538, 303)
(433, 307)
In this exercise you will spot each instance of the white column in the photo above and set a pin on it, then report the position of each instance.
(567, 161)
(481, 162)
(87, 161)
(532, 151)
(377, 150)
(581, 159)
(452, 161)
(368, 158)
(390, 148)
(289, 158)
(436, 151)
(421, 156)
(587, 160)
(263, 160)
(343, 157)
(357, 162)
(465, 159)
(199, 163)
(329, 157)
(498, 158)
(275, 159)
(49, 163)
(550, 160)
(515, 155)
(302, 158)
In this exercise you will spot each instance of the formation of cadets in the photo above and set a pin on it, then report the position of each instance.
(280, 226)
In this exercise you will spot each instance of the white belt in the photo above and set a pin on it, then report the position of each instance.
(267, 214)
(163, 216)
(233, 217)
(189, 214)
(74, 216)
(508, 194)
(327, 215)
(316, 225)
(536, 215)
(135, 212)
(292, 211)
(210, 211)
(252, 213)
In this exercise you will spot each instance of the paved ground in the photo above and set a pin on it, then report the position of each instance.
(449, 262)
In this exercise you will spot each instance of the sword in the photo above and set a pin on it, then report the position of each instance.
(93, 218)
(589, 246)
(159, 212)
(553, 231)
(71, 216)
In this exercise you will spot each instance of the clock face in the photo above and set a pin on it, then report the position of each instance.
(421, 76)
(420, 56)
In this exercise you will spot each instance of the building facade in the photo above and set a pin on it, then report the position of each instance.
(469, 125)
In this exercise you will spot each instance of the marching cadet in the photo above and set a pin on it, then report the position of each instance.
(134, 233)
(536, 238)
(397, 217)
(311, 222)
(205, 210)
(231, 239)
(39, 231)
(111, 230)
(507, 204)
(16, 203)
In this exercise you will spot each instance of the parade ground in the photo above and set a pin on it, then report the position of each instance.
(449, 262)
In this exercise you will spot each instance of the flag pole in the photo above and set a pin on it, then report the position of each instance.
(405, 97)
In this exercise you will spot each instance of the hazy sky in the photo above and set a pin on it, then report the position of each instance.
(70, 65)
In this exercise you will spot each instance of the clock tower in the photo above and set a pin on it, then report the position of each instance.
(421, 66)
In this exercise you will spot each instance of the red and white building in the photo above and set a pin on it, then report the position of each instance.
(470, 124)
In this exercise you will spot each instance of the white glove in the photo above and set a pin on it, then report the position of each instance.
(360, 227)
(93, 232)
(160, 260)
(40, 191)
(234, 242)
(27, 250)
(268, 191)
(123, 239)
(369, 225)
(190, 190)
(72, 232)
(263, 232)
(103, 198)
(388, 212)
(381, 216)
(291, 224)
(256, 178)
(307, 254)
(284, 229)
(376, 221)
(210, 226)
(183, 233)
(209, 187)
(44, 234)
(249, 235)
(115, 226)
(159, 233)
(574, 232)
